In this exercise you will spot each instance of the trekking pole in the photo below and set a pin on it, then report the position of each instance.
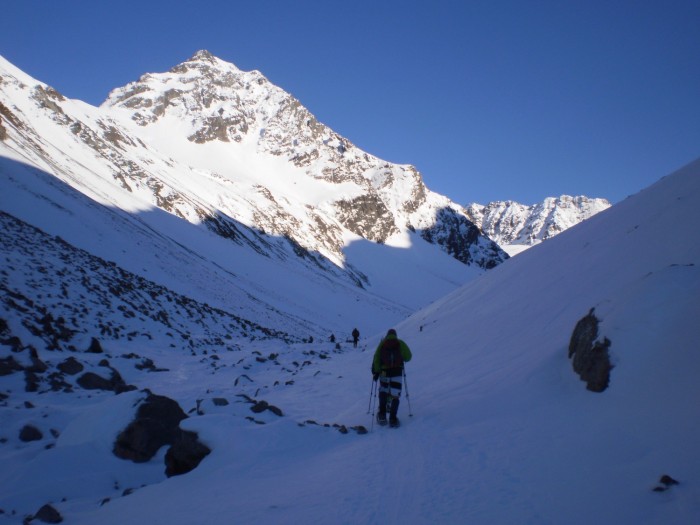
(408, 398)
(371, 394)
(372, 401)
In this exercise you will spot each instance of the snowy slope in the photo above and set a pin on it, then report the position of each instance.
(503, 431)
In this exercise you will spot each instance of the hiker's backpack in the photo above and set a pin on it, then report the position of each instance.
(390, 354)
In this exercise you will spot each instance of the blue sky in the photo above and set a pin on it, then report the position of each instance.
(490, 100)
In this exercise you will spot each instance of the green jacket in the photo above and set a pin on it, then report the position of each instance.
(377, 366)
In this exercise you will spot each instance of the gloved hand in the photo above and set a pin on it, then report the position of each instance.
(375, 376)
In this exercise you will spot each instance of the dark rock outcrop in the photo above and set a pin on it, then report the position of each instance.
(261, 406)
(95, 347)
(92, 381)
(666, 482)
(591, 358)
(48, 514)
(157, 424)
(9, 365)
(70, 366)
(185, 454)
(30, 433)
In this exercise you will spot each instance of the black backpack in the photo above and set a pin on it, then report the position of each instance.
(390, 354)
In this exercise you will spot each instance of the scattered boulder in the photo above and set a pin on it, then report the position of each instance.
(30, 433)
(31, 381)
(591, 358)
(666, 482)
(9, 365)
(57, 382)
(70, 366)
(157, 423)
(148, 364)
(261, 406)
(220, 401)
(275, 410)
(6, 337)
(185, 454)
(48, 514)
(37, 364)
(95, 347)
(92, 381)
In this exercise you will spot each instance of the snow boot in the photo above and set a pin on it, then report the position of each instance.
(394, 407)
(393, 410)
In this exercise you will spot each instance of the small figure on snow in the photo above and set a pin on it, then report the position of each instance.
(332, 338)
(355, 337)
(387, 366)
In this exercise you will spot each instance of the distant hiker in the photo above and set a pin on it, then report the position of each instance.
(355, 337)
(332, 339)
(387, 366)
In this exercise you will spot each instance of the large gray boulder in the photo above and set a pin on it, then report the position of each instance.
(157, 424)
(591, 357)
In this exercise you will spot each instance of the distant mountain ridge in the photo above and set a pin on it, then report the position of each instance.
(516, 226)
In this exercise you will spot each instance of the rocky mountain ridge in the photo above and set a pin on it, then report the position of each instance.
(377, 200)
(516, 226)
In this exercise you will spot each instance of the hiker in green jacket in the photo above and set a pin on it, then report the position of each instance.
(387, 366)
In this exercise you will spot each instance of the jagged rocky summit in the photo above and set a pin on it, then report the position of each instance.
(213, 103)
(516, 226)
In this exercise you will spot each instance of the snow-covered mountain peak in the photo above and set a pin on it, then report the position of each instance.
(213, 104)
(516, 226)
(208, 149)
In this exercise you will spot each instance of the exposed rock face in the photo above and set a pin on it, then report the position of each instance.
(512, 223)
(462, 239)
(591, 359)
(157, 423)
